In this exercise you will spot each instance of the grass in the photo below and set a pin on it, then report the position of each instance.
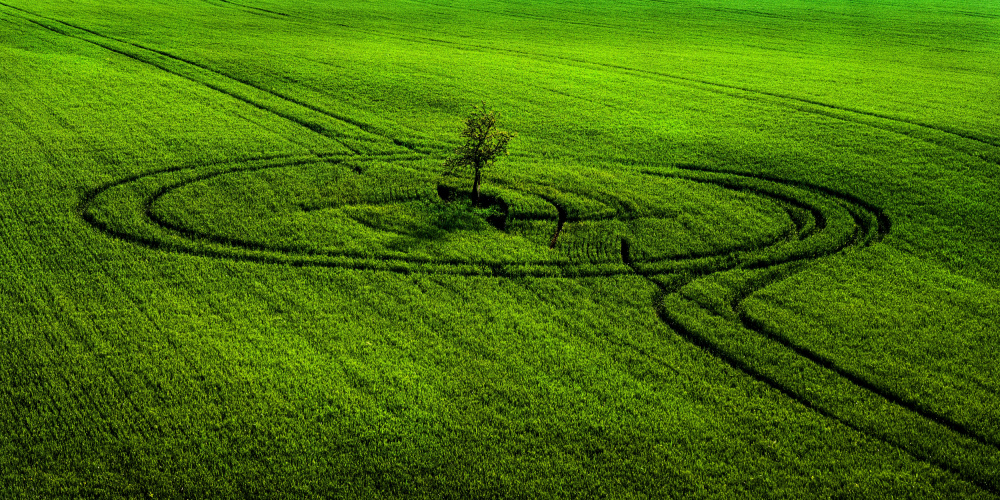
(747, 249)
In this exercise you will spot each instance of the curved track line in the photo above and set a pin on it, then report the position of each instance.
(287, 254)
(695, 83)
(252, 8)
(728, 89)
(864, 234)
(870, 225)
(314, 127)
(867, 232)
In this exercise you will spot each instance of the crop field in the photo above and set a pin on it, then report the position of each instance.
(739, 249)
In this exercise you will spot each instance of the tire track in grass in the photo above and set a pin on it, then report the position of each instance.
(868, 230)
(806, 105)
(779, 259)
(751, 323)
(810, 106)
(88, 200)
(288, 254)
(311, 126)
(896, 125)
(495, 270)
(691, 82)
(252, 8)
(532, 17)
(561, 221)
(863, 233)
(863, 236)
(900, 437)
(318, 128)
(85, 210)
(824, 109)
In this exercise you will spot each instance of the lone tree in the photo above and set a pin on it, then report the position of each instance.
(484, 142)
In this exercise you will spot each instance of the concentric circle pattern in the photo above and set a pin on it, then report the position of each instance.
(388, 214)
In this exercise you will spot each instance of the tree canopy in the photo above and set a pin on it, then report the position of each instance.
(484, 143)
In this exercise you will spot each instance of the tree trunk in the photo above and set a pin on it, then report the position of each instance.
(475, 186)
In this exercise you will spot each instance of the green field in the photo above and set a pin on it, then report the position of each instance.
(747, 249)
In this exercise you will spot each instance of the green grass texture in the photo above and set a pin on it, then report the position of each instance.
(740, 249)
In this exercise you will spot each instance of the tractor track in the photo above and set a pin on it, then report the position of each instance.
(871, 225)
(868, 226)
(251, 9)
